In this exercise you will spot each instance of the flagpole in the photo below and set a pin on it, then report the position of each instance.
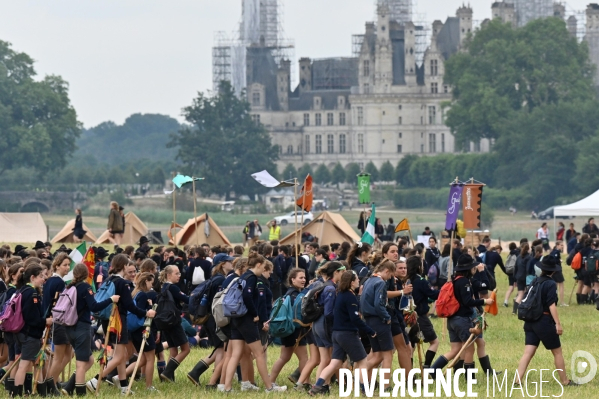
(174, 218)
(302, 223)
(295, 207)
(195, 214)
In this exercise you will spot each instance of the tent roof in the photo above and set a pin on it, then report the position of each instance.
(66, 234)
(329, 228)
(22, 227)
(187, 235)
(588, 206)
(134, 230)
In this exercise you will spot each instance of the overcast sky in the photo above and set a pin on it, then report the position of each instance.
(152, 56)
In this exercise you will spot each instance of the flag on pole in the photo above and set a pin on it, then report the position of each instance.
(267, 180)
(453, 207)
(368, 236)
(76, 256)
(307, 191)
(180, 180)
(115, 325)
(402, 226)
(492, 308)
(472, 195)
(89, 260)
(364, 188)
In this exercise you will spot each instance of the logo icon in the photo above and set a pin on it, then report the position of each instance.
(583, 367)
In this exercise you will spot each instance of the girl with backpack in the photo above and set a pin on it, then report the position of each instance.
(323, 326)
(222, 267)
(520, 274)
(125, 304)
(290, 344)
(431, 256)
(444, 265)
(358, 258)
(174, 336)
(54, 286)
(547, 328)
(29, 338)
(346, 340)
(509, 262)
(458, 325)
(422, 292)
(79, 335)
(12, 277)
(373, 302)
(150, 266)
(398, 323)
(143, 287)
(244, 329)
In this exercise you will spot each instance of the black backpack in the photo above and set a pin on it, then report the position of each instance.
(531, 307)
(311, 309)
(167, 313)
(200, 303)
(592, 263)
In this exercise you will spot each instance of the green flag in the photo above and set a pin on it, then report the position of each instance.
(368, 236)
(76, 256)
(364, 188)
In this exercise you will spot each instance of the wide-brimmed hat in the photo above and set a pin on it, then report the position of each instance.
(100, 252)
(62, 248)
(465, 262)
(548, 264)
(143, 240)
(19, 248)
(39, 245)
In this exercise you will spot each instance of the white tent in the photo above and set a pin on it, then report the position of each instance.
(588, 206)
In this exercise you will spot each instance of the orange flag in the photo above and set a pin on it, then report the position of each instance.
(115, 325)
(492, 308)
(402, 226)
(89, 260)
(305, 198)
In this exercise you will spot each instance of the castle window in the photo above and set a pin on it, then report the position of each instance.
(360, 116)
(399, 148)
(442, 142)
(400, 135)
(318, 118)
(289, 149)
(432, 142)
(306, 119)
(400, 121)
(256, 118)
(432, 115)
(256, 99)
(342, 144)
(318, 144)
(366, 68)
(434, 68)
(307, 145)
(360, 143)
(330, 119)
(330, 144)
(434, 88)
(342, 119)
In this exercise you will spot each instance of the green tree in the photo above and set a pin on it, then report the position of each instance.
(402, 169)
(322, 174)
(290, 172)
(304, 171)
(374, 172)
(38, 124)
(338, 174)
(223, 144)
(351, 171)
(386, 172)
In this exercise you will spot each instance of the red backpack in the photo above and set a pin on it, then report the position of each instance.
(577, 261)
(447, 304)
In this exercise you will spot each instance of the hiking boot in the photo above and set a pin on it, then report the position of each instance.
(317, 390)
(302, 387)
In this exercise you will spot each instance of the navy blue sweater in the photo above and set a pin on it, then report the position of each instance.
(178, 296)
(53, 285)
(31, 307)
(463, 292)
(121, 288)
(493, 259)
(421, 292)
(347, 314)
(264, 299)
(373, 300)
(86, 303)
(250, 293)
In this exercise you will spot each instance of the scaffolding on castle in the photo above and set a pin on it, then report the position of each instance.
(260, 26)
(528, 10)
(399, 10)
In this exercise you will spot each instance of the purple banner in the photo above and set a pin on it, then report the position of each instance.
(453, 206)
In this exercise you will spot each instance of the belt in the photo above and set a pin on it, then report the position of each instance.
(547, 313)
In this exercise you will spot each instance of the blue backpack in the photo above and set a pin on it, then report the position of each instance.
(106, 291)
(134, 323)
(281, 318)
(199, 302)
(233, 305)
(297, 309)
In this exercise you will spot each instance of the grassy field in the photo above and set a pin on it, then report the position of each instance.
(505, 344)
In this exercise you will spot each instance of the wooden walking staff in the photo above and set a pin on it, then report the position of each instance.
(474, 332)
(106, 340)
(452, 207)
(195, 213)
(40, 359)
(9, 370)
(295, 207)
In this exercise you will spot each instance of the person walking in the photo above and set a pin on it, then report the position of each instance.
(78, 232)
(274, 231)
(115, 224)
(543, 235)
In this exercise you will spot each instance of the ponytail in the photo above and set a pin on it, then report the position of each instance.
(80, 274)
(164, 273)
(30, 271)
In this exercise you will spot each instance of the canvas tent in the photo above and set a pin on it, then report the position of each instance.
(66, 234)
(22, 227)
(588, 206)
(189, 235)
(329, 228)
(134, 230)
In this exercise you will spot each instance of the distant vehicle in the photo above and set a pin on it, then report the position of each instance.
(290, 218)
(548, 214)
